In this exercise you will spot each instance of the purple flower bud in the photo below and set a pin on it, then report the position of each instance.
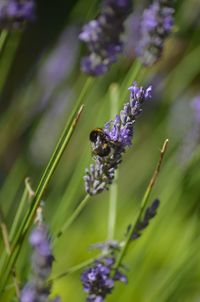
(150, 213)
(120, 277)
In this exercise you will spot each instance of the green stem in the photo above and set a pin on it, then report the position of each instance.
(131, 76)
(47, 175)
(143, 205)
(75, 268)
(7, 246)
(3, 38)
(15, 223)
(79, 266)
(10, 45)
(112, 210)
(114, 97)
(73, 217)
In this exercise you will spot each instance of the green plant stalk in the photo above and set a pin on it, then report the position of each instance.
(142, 206)
(78, 267)
(3, 38)
(16, 220)
(15, 223)
(74, 269)
(73, 217)
(131, 76)
(112, 209)
(114, 97)
(71, 190)
(48, 173)
(7, 246)
(10, 43)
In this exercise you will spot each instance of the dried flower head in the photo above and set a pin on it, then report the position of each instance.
(109, 145)
(156, 25)
(103, 36)
(14, 13)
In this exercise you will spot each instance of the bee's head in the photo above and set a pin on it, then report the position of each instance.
(94, 134)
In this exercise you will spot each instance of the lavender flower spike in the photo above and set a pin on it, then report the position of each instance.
(150, 213)
(102, 36)
(195, 104)
(14, 13)
(97, 281)
(156, 25)
(117, 136)
(42, 259)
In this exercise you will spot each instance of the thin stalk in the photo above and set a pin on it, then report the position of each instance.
(79, 266)
(112, 209)
(114, 97)
(74, 269)
(73, 217)
(3, 39)
(6, 241)
(48, 173)
(11, 46)
(27, 195)
(131, 76)
(143, 205)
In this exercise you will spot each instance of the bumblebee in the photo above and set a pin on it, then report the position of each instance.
(103, 149)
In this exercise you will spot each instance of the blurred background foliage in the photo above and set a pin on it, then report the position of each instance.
(39, 84)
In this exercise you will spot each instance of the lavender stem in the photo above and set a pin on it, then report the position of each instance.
(73, 217)
(143, 204)
(114, 97)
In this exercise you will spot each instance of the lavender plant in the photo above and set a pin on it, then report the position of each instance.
(190, 135)
(196, 108)
(14, 13)
(156, 25)
(38, 289)
(103, 36)
(118, 136)
(150, 213)
(99, 280)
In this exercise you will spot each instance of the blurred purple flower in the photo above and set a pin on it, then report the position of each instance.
(102, 36)
(60, 62)
(132, 33)
(28, 294)
(156, 25)
(42, 259)
(118, 136)
(191, 138)
(184, 126)
(196, 108)
(14, 13)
